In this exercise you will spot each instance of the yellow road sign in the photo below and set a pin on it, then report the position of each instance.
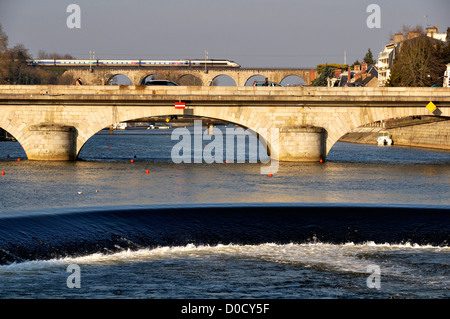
(431, 106)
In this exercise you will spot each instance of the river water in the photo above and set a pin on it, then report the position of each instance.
(370, 222)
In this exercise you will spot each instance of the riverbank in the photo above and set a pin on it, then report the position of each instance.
(435, 135)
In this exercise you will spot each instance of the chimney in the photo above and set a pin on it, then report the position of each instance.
(398, 37)
(364, 66)
(430, 31)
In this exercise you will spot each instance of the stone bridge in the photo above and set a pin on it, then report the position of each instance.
(102, 75)
(54, 122)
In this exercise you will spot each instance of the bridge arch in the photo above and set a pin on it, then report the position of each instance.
(293, 80)
(422, 130)
(9, 134)
(119, 79)
(149, 77)
(261, 76)
(257, 77)
(189, 80)
(223, 80)
(87, 132)
(391, 117)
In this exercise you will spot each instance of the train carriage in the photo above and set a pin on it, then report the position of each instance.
(133, 63)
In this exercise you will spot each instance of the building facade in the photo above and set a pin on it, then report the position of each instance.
(387, 56)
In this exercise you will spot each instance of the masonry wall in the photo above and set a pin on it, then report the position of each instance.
(432, 135)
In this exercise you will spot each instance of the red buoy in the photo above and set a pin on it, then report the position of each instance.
(270, 175)
(3, 172)
(131, 161)
(147, 171)
(18, 159)
(321, 160)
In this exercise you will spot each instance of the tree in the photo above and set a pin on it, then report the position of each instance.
(335, 66)
(420, 62)
(322, 80)
(19, 73)
(3, 56)
(445, 51)
(3, 40)
(368, 58)
(14, 68)
(45, 55)
(355, 63)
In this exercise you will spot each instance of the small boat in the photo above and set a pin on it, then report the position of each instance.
(384, 138)
(161, 127)
(120, 126)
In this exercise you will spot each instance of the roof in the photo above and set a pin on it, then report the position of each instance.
(372, 70)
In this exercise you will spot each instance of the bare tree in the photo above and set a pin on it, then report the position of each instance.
(419, 60)
(3, 56)
(3, 40)
(45, 55)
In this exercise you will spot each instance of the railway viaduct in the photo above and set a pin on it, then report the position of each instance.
(54, 122)
(102, 75)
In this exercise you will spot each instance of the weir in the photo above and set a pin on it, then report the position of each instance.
(54, 122)
(166, 225)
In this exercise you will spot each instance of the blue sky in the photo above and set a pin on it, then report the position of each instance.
(254, 33)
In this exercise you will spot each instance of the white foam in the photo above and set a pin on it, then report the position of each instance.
(345, 257)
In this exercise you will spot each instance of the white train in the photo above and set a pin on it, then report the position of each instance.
(140, 63)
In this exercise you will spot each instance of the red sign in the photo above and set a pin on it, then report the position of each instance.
(180, 105)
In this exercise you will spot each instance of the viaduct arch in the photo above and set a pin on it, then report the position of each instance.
(101, 75)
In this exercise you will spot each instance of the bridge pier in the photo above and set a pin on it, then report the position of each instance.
(302, 144)
(51, 142)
